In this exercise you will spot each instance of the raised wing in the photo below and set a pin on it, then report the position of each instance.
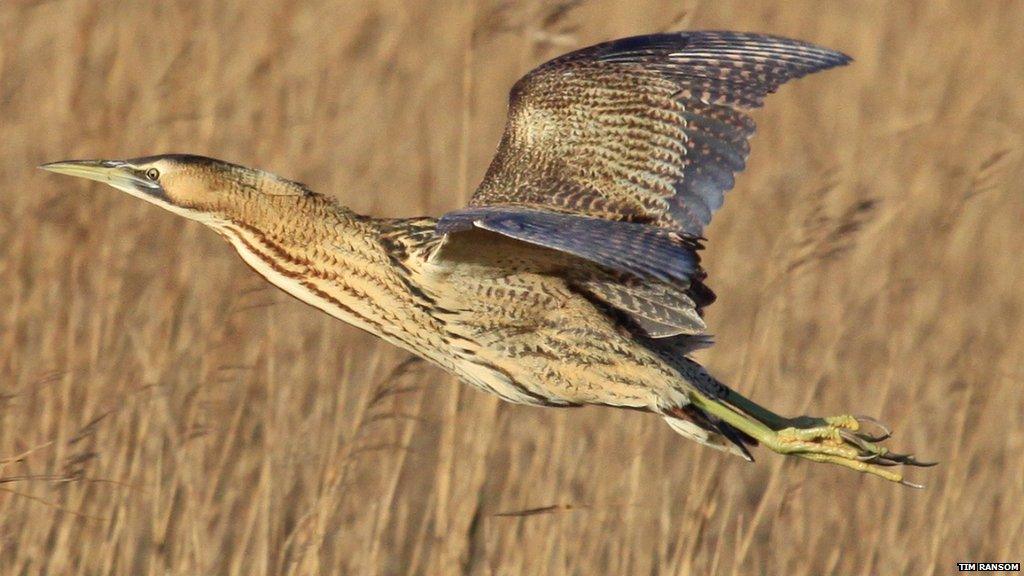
(621, 153)
(648, 129)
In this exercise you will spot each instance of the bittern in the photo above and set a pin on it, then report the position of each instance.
(573, 276)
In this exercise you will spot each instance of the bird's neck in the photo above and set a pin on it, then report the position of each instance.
(352, 267)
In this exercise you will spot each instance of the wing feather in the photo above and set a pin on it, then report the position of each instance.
(645, 129)
(621, 153)
(635, 249)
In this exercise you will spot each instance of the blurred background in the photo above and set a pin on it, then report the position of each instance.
(164, 411)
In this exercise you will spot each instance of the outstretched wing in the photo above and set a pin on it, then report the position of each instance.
(646, 129)
(620, 153)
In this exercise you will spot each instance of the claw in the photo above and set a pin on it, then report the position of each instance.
(862, 444)
(910, 484)
(886, 431)
(909, 460)
(858, 441)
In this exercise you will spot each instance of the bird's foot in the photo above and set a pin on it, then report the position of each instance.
(843, 440)
(849, 441)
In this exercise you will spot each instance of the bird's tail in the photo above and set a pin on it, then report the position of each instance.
(709, 431)
(696, 424)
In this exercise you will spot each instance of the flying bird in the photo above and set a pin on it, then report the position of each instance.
(573, 277)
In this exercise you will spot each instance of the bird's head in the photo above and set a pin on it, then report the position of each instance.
(196, 187)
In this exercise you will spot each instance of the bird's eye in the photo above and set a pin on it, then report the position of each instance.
(152, 174)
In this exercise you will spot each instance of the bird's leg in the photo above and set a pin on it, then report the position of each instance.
(835, 440)
(803, 425)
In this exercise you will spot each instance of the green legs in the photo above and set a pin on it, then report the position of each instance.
(836, 440)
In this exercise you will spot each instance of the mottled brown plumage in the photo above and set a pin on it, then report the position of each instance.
(647, 129)
(573, 277)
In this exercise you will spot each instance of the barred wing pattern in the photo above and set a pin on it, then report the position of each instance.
(647, 129)
(621, 153)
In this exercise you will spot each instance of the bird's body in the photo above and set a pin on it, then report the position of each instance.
(573, 276)
(501, 315)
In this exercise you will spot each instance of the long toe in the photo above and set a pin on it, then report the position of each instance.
(843, 442)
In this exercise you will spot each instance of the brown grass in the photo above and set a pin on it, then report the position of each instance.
(163, 413)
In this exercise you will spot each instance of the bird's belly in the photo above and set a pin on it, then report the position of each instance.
(503, 383)
(562, 376)
(529, 338)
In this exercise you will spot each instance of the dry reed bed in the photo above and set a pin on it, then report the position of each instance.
(162, 412)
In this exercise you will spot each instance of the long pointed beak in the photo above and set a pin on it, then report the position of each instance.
(116, 173)
(106, 171)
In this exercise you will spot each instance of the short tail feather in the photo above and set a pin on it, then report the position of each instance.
(704, 428)
(694, 424)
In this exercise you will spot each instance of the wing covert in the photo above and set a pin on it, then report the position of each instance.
(627, 247)
(651, 277)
